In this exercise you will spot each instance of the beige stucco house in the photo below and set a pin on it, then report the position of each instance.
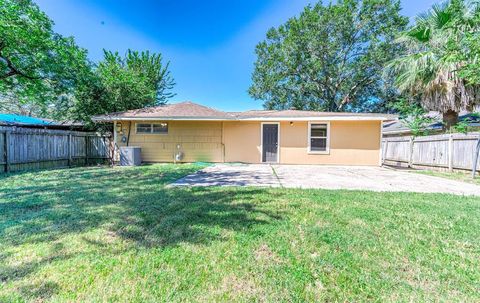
(190, 132)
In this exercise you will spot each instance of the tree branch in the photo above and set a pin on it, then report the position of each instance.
(353, 91)
(12, 69)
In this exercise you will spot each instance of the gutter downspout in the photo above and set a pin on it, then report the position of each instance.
(223, 141)
(129, 128)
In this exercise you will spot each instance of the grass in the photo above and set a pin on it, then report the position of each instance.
(102, 234)
(459, 176)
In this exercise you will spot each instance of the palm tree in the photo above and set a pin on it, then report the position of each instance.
(429, 69)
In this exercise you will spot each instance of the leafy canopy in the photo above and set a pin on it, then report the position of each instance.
(329, 58)
(140, 79)
(467, 49)
(37, 65)
(43, 73)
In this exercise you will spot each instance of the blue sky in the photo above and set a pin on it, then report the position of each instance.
(210, 44)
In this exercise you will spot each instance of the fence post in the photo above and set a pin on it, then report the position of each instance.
(410, 151)
(382, 150)
(385, 151)
(104, 149)
(86, 150)
(69, 149)
(6, 147)
(475, 157)
(450, 153)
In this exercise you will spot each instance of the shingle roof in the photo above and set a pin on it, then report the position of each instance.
(303, 113)
(183, 109)
(192, 111)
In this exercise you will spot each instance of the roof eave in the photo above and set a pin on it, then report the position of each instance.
(325, 118)
(113, 118)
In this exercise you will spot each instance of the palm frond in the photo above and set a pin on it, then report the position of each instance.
(427, 69)
(436, 17)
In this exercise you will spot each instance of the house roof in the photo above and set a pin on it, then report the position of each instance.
(183, 109)
(193, 111)
(290, 113)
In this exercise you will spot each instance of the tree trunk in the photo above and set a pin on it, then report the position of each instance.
(450, 118)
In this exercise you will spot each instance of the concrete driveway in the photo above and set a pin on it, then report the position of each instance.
(328, 177)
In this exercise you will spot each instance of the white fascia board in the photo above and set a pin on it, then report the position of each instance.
(111, 119)
(326, 118)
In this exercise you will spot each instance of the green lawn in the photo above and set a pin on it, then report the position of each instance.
(102, 234)
(459, 176)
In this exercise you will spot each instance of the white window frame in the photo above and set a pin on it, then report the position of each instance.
(151, 128)
(261, 141)
(327, 147)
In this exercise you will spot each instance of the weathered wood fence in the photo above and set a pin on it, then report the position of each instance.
(440, 152)
(28, 149)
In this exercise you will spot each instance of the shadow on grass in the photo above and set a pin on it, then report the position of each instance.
(131, 205)
(18, 272)
(40, 291)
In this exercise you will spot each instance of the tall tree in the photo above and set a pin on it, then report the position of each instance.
(36, 64)
(430, 68)
(140, 79)
(329, 58)
(467, 50)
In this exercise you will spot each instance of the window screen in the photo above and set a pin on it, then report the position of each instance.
(160, 128)
(144, 128)
(155, 128)
(318, 137)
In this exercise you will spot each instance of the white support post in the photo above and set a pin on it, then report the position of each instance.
(381, 159)
(114, 141)
(450, 153)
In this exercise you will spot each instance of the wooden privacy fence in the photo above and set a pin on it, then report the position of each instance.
(27, 149)
(441, 152)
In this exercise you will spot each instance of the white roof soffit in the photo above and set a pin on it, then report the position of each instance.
(326, 118)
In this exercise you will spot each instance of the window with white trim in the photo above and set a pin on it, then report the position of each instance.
(318, 136)
(152, 128)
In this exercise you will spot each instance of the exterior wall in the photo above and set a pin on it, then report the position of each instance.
(242, 141)
(351, 142)
(198, 140)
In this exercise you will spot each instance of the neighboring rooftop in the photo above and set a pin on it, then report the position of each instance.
(13, 119)
(192, 111)
(400, 128)
(33, 122)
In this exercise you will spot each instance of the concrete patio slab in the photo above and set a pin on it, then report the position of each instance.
(327, 177)
(232, 175)
(369, 178)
